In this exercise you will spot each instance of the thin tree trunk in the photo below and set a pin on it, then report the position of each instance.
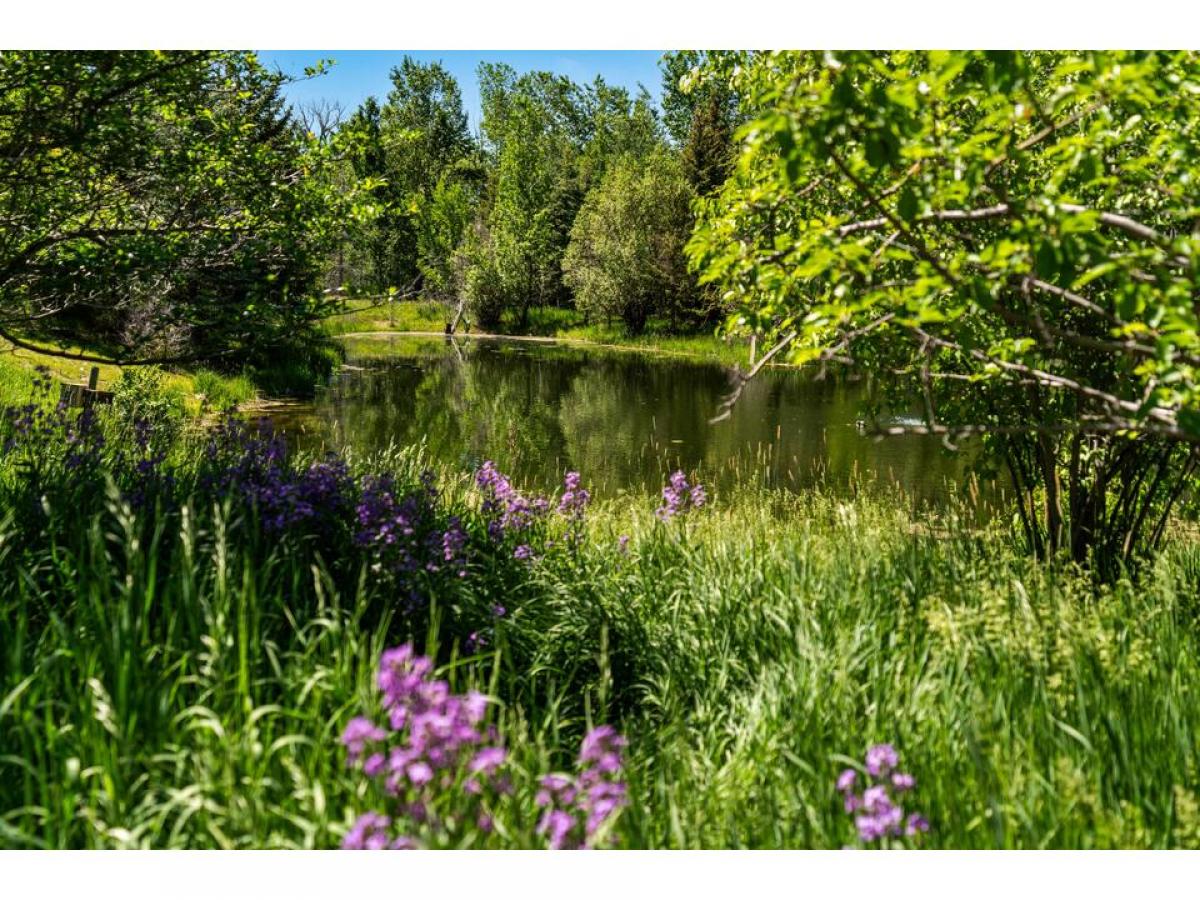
(452, 325)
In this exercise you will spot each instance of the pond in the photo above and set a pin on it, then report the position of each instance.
(623, 419)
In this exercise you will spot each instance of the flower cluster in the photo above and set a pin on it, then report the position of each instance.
(576, 809)
(400, 530)
(253, 463)
(84, 440)
(679, 497)
(573, 505)
(877, 812)
(437, 744)
(508, 509)
(574, 500)
(148, 479)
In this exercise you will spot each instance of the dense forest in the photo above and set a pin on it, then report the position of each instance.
(571, 195)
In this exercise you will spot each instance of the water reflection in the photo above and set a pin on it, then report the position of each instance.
(623, 419)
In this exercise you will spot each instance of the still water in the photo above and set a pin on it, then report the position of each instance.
(623, 419)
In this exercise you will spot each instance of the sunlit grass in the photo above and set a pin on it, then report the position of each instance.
(401, 315)
(196, 389)
(365, 317)
(184, 681)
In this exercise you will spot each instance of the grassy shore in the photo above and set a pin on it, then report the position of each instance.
(181, 654)
(195, 389)
(426, 317)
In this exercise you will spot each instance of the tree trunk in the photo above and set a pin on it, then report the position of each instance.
(452, 325)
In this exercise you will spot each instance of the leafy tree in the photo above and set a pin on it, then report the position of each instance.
(522, 232)
(619, 125)
(1007, 239)
(506, 98)
(534, 126)
(550, 141)
(478, 277)
(424, 125)
(626, 254)
(159, 205)
(444, 221)
(365, 252)
(407, 145)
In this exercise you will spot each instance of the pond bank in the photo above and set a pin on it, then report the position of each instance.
(425, 318)
(720, 351)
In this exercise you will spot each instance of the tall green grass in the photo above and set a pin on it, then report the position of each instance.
(179, 680)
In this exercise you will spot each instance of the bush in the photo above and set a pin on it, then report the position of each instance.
(484, 288)
(144, 408)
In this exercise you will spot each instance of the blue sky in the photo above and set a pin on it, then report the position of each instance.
(363, 73)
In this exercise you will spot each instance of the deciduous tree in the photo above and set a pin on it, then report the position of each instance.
(1007, 239)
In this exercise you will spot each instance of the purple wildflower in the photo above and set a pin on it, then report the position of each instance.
(369, 832)
(574, 498)
(454, 542)
(881, 758)
(487, 760)
(359, 732)
(437, 738)
(679, 497)
(877, 814)
(506, 507)
(916, 824)
(576, 809)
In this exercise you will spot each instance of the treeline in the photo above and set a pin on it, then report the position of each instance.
(576, 196)
(171, 207)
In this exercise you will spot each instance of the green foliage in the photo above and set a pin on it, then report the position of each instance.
(412, 148)
(626, 257)
(366, 256)
(445, 219)
(424, 125)
(481, 280)
(297, 373)
(707, 156)
(144, 409)
(548, 141)
(184, 682)
(1009, 237)
(160, 204)
(694, 81)
(223, 391)
(521, 230)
